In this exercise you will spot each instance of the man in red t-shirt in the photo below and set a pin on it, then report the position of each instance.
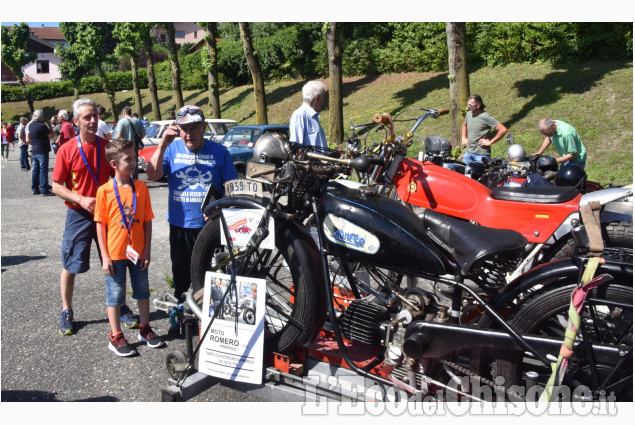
(80, 168)
(68, 131)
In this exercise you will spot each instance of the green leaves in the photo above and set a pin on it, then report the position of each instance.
(15, 53)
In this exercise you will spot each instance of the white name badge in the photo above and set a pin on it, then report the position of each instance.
(132, 254)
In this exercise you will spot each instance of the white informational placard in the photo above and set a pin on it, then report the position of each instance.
(242, 224)
(227, 352)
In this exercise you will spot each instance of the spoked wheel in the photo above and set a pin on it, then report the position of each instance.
(227, 309)
(249, 316)
(292, 313)
(607, 318)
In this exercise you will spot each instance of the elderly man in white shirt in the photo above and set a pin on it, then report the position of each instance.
(304, 125)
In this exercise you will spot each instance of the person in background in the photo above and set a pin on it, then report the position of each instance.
(129, 128)
(38, 137)
(565, 139)
(102, 127)
(184, 161)
(67, 131)
(7, 137)
(23, 145)
(56, 126)
(476, 131)
(304, 125)
(11, 132)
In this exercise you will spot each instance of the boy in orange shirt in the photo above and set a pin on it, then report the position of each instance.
(123, 215)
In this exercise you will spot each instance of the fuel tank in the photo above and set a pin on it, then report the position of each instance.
(362, 226)
(429, 186)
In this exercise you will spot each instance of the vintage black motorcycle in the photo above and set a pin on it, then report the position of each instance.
(390, 260)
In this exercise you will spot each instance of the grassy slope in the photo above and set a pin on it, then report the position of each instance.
(596, 98)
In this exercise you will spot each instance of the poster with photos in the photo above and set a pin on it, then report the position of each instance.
(233, 347)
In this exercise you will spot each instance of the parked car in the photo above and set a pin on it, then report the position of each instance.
(216, 129)
(240, 142)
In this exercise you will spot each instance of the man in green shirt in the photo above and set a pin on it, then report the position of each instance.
(566, 141)
(476, 129)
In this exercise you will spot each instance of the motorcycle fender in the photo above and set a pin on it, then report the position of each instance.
(245, 202)
(617, 211)
(552, 273)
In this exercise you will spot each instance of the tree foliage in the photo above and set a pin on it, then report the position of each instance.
(16, 54)
(87, 42)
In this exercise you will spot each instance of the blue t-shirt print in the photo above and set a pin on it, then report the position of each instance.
(189, 176)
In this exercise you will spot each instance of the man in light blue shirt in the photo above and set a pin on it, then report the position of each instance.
(304, 125)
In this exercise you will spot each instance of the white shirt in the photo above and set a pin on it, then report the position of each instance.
(102, 129)
(305, 128)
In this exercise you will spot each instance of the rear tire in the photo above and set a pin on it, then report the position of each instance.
(605, 319)
(616, 234)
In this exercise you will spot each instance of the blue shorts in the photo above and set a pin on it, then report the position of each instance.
(116, 285)
(79, 231)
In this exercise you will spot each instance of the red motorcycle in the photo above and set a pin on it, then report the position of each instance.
(546, 217)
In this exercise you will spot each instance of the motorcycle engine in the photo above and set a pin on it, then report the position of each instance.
(374, 323)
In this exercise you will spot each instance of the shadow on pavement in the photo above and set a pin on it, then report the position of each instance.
(44, 396)
(15, 260)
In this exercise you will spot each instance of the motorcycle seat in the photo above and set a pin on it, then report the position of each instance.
(468, 242)
(537, 195)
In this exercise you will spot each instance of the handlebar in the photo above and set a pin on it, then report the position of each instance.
(383, 119)
(361, 163)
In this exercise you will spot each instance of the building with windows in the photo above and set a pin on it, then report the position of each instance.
(184, 32)
(45, 66)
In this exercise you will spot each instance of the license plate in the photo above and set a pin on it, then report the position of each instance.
(243, 187)
(254, 168)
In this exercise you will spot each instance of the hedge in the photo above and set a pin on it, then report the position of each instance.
(40, 91)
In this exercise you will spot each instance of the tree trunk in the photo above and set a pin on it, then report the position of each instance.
(75, 91)
(135, 87)
(256, 74)
(336, 108)
(212, 74)
(152, 84)
(25, 93)
(176, 68)
(111, 95)
(459, 78)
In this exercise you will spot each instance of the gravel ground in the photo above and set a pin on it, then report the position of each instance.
(39, 364)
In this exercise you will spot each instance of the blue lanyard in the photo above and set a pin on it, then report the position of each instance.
(81, 151)
(126, 223)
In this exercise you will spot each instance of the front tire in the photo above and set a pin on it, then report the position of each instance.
(294, 306)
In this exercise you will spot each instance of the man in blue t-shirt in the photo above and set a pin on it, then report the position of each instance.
(191, 164)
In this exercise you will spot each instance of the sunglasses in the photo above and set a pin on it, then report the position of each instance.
(471, 104)
(188, 111)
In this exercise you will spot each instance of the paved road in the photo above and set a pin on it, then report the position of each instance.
(39, 364)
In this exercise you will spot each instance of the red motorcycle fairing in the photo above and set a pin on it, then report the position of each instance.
(429, 186)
